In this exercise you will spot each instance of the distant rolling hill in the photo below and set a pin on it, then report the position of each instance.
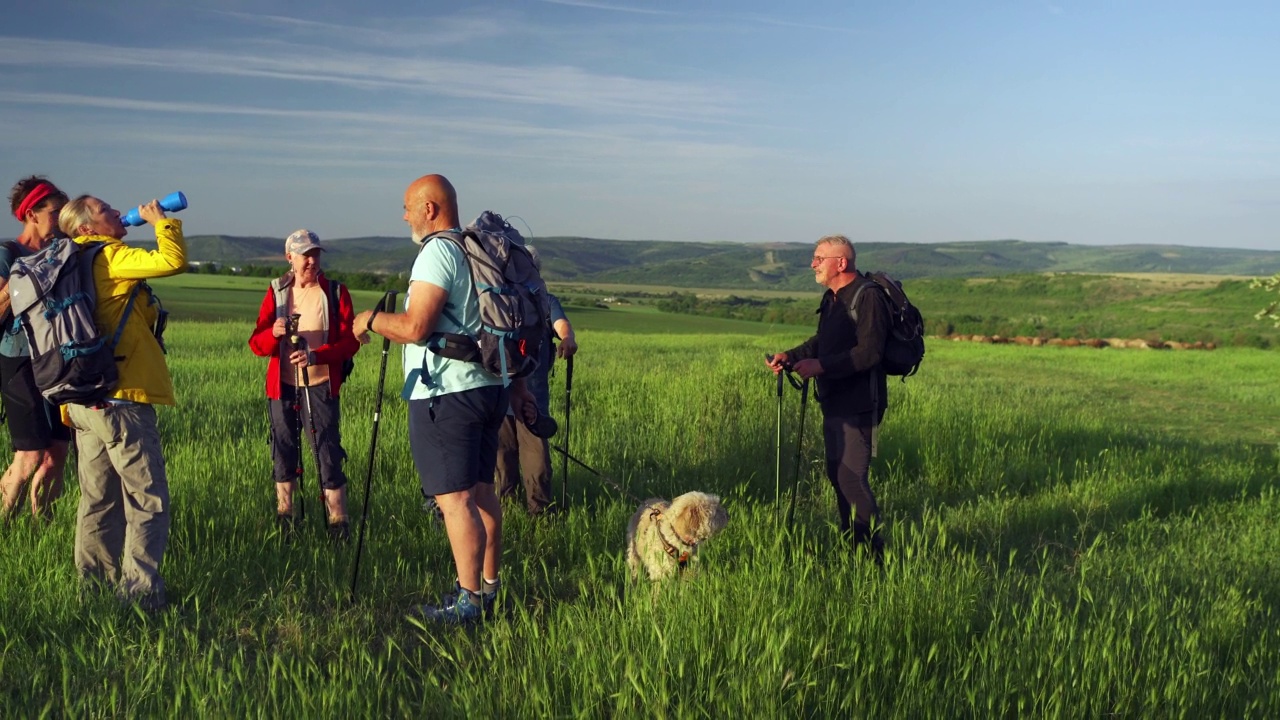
(775, 266)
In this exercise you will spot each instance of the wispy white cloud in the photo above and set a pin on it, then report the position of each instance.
(349, 138)
(478, 125)
(612, 7)
(451, 30)
(781, 22)
(552, 85)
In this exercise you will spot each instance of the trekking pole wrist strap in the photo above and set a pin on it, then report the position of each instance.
(369, 325)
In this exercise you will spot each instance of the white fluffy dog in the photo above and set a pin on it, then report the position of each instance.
(663, 537)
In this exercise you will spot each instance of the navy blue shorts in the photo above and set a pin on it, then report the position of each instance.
(454, 438)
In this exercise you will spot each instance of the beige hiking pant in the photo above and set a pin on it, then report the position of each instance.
(122, 525)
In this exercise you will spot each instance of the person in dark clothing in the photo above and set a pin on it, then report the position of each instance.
(40, 439)
(844, 357)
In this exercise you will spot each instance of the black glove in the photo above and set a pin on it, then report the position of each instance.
(544, 427)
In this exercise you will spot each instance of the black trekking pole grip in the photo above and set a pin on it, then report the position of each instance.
(387, 302)
(769, 359)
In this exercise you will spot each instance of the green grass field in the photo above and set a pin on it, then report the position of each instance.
(1073, 533)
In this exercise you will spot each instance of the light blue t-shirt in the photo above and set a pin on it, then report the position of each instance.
(427, 374)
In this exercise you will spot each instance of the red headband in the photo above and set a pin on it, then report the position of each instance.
(34, 198)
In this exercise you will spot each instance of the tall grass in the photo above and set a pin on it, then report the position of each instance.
(1072, 533)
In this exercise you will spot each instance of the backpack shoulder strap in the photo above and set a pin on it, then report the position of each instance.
(452, 235)
(280, 291)
(458, 238)
(90, 249)
(863, 281)
(335, 293)
(335, 296)
(124, 317)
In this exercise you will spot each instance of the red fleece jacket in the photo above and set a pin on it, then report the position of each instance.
(342, 343)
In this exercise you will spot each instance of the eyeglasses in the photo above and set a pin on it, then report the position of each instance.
(820, 258)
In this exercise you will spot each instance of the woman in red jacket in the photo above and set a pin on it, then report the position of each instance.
(304, 326)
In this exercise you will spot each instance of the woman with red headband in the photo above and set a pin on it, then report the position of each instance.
(35, 427)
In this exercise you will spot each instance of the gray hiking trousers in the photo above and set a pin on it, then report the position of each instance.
(122, 524)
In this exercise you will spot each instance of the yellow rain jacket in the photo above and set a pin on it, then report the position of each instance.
(144, 376)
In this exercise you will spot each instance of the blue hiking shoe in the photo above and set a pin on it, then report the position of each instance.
(462, 607)
(488, 596)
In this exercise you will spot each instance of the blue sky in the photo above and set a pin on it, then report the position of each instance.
(1084, 122)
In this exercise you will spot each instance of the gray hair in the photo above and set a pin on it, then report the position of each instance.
(843, 242)
(74, 214)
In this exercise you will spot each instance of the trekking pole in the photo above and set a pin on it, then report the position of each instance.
(564, 460)
(777, 454)
(291, 326)
(795, 489)
(300, 343)
(387, 301)
(608, 480)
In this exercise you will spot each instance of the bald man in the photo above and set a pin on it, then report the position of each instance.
(455, 407)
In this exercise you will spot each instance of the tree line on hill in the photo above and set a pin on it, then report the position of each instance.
(1070, 306)
(737, 266)
(380, 282)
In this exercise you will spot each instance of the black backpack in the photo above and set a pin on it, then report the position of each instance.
(904, 345)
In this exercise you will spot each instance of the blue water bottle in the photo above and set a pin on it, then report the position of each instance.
(173, 202)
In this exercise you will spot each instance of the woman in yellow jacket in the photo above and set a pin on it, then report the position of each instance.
(122, 525)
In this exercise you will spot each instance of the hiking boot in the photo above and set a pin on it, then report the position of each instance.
(460, 608)
(151, 603)
(547, 512)
(340, 531)
(488, 596)
(287, 524)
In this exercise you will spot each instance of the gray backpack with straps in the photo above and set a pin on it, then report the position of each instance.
(53, 297)
(514, 310)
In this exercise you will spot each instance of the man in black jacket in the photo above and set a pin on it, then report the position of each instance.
(844, 356)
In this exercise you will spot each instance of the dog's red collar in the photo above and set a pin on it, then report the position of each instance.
(681, 558)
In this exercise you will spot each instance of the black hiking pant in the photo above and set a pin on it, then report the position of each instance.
(848, 448)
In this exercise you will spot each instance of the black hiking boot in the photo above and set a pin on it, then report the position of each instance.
(340, 532)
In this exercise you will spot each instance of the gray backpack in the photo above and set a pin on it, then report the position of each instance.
(514, 311)
(53, 297)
